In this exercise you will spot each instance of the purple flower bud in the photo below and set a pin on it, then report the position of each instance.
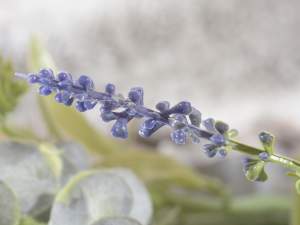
(149, 127)
(178, 121)
(65, 85)
(136, 95)
(89, 105)
(221, 127)
(209, 124)
(63, 76)
(46, 73)
(178, 137)
(80, 106)
(85, 82)
(181, 108)
(110, 89)
(59, 97)
(266, 138)
(107, 115)
(119, 129)
(69, 101)
(195, 117)
(210, 150)
(45, 90)
(162, 106)
(223, 152)
(218, 139)
(149, 124)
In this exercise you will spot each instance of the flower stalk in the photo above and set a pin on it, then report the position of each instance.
(184, 120)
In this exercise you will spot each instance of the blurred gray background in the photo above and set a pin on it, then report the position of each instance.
(237, 61)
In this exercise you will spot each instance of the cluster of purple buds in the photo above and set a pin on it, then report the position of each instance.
(184, 120)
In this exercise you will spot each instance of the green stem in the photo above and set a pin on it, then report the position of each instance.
(275, 158)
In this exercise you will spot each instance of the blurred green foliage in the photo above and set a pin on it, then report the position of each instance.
(177, 191)
(10, 88)
(30, 221)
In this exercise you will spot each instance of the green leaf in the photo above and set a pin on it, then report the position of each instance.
(117, 221)
(256, 172)
(10, 88)
(31, 173)
(75, 159)
(100, 194)
(9, 206)
(90, 196)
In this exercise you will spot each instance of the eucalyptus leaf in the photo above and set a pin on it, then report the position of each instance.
(31, 172)
(90, 196)
(9, 206)
(75, 159)
(117, 221)
(142, 209)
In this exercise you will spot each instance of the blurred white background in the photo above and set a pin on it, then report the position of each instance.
(238, 61)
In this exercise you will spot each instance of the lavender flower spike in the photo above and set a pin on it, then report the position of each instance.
(182, 118)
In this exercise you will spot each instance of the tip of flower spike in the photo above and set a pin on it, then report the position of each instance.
(22, 76)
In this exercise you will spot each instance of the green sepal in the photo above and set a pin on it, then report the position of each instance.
(267, 139)
(256, 172)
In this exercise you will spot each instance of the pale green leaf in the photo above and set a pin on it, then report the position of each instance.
(90, 196)
(28, 171)
(117, 221)
(9, 206)
(75, 159)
